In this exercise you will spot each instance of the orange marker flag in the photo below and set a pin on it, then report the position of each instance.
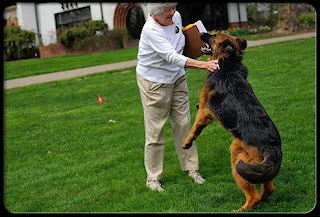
(100, 99)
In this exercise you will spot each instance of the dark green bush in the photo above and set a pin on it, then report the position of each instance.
(118, 34)
(85, 38)
(71, 35)
(96, 25)
(17, 42)
(113, 39)
(308, 20)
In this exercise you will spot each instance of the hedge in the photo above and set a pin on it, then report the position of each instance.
(70, 36)
(17, 42)
(86, 37)
(96, 25)
(308, 20)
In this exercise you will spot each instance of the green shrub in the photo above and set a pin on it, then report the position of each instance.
(113, 39)
(118, 35)
(96, 25)
(95, 43)
(17, 42)
(243, 31)
(71, 35)
(308, 20)
(85, 38)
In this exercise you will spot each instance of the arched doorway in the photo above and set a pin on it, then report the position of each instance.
(135, 21)
(131, 17)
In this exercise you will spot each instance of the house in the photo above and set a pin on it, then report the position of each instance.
(49, 20)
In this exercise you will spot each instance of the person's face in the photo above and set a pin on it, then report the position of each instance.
(165, 18)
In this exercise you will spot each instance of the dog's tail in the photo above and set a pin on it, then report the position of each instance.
(266, 170)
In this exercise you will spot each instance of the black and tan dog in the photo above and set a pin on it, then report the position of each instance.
(228, 98)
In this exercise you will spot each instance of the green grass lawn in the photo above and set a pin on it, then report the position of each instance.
(62, 155)
(29, 67)
(260, 36)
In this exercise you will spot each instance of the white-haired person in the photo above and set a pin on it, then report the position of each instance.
(164, 93)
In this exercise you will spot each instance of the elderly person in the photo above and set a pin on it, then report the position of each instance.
(164, 92)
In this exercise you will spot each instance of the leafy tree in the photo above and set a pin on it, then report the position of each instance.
(262, 14)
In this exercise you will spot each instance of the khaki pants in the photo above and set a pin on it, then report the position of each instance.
(159, 102)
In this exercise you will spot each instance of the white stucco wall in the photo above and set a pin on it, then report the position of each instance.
(26, 16)
(108, 13)
(47, 13)
(47, 23)
(46, 17)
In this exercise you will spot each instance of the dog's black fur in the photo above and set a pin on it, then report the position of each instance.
(238, 109)
(228, 98)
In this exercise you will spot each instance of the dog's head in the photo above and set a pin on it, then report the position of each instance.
(223, 45)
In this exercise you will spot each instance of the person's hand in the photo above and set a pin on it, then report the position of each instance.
(199, 64)
(212, 65)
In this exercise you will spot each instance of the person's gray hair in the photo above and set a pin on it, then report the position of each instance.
(157, 8)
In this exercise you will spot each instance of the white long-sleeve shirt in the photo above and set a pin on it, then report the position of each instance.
(160, 56)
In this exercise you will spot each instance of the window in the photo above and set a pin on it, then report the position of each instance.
(72, 18)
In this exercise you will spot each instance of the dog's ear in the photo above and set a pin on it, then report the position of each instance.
(205, 37)
(242, 43)
(227, 46)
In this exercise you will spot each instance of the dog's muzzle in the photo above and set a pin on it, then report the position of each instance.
(207, 50)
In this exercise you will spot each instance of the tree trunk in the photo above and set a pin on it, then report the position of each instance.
(288, 19)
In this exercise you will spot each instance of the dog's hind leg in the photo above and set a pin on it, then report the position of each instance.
(252, 196)
(266, 190)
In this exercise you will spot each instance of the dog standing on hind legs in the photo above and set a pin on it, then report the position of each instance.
(228, 98)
